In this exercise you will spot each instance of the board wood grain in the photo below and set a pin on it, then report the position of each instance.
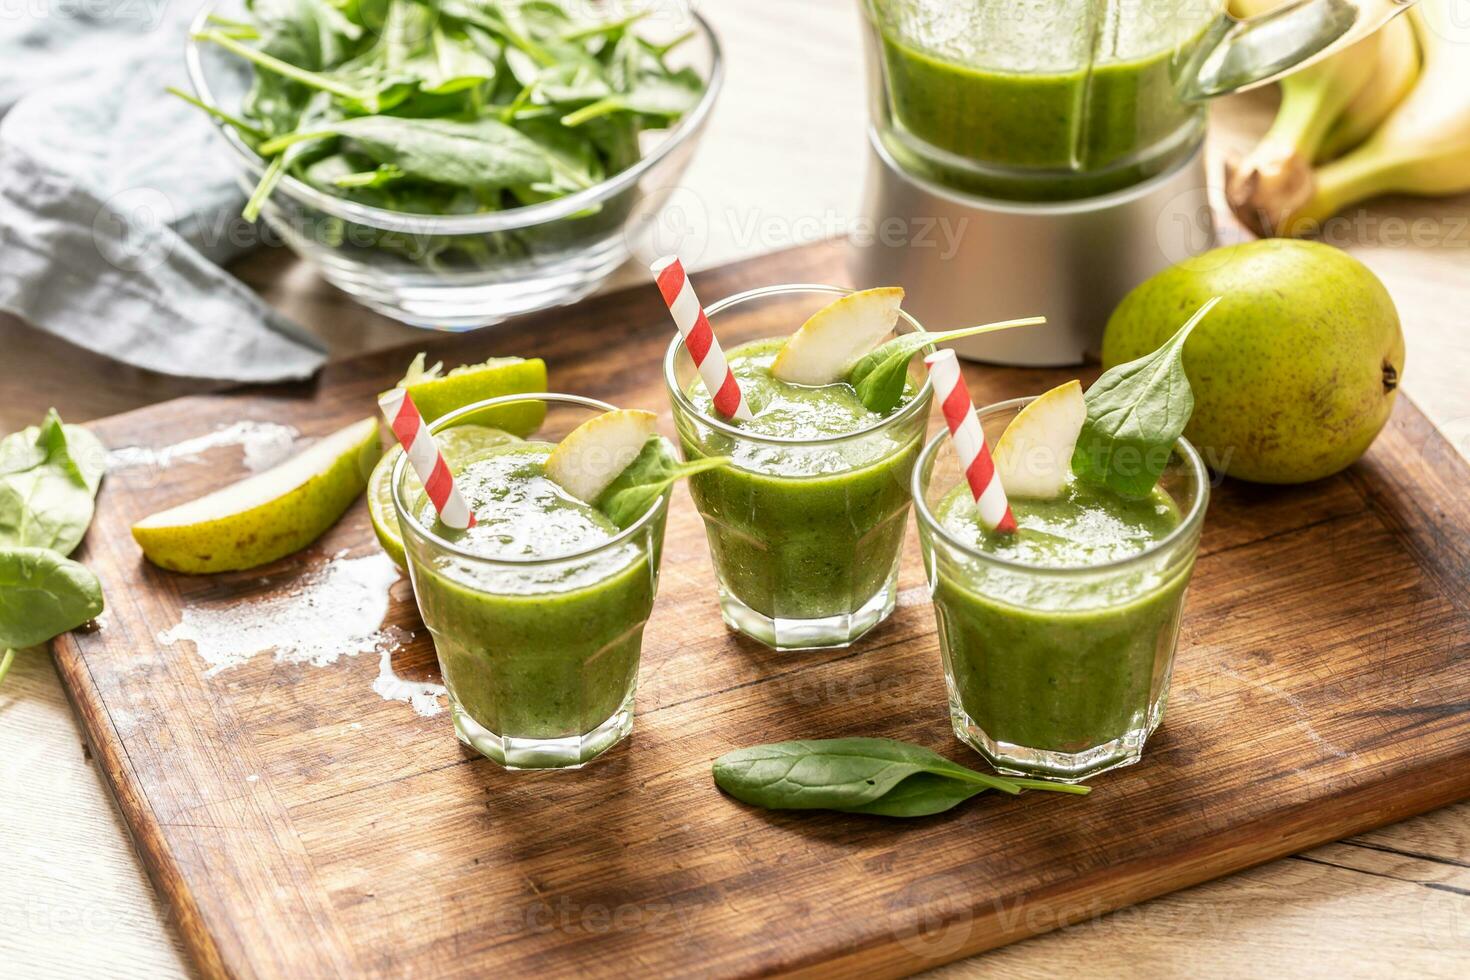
(298, 824)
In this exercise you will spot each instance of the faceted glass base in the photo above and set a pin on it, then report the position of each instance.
(810, 634)
(543, 753)
(1063, 767)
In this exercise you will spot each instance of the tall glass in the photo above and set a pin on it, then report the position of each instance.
(540, 655)
(805, 534)
(1056, 672)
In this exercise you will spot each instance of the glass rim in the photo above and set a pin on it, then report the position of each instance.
(443, 422)
(512, 219)
(681, 400)
(1186, 524)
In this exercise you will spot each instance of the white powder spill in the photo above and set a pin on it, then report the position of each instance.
(264, 444)
(331, 613)
(422, 696)
(915, 595)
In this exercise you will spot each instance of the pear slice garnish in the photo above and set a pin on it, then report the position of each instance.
(834, 337)
(1033, 458)
(595, 452)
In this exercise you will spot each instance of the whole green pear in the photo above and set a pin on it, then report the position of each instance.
(1294, 372)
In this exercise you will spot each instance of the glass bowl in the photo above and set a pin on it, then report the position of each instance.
(458, 272)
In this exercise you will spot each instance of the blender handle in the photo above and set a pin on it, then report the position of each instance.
(1240, 54)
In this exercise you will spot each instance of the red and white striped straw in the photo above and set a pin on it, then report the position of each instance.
(969, 440)
(425, 458)
(699, 338)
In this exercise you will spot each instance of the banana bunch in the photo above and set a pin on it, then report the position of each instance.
(1389, 114)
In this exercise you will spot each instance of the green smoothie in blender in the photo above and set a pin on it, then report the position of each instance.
(1048, 101)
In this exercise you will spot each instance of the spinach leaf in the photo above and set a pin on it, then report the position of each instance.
(309, 33)
(881, 375)
(42, 595)
(1135, 414)
(485, 153)
(453, 62)
(48, 475)
(319, 110)
(857, 775)
(306, 77)
(646, 478)
(664, 98)
(920, 795)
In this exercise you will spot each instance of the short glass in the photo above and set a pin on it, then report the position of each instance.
(540, 655)
(1071, 682)
(805, 534)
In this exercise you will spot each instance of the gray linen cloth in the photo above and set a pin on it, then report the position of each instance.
(117, 199)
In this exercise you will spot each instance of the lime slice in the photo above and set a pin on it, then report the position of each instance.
(437, 393)
(461, 445)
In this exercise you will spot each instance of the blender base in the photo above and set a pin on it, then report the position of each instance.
(964, 260)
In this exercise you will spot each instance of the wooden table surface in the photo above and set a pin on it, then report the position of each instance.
(775, 171)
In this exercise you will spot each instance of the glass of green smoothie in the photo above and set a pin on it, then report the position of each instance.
(1058, 640)
(537, 611)
(806, 524)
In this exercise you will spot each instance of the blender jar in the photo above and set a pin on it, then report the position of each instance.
(1058, 100)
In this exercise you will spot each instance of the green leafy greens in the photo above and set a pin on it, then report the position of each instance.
(43, 594)
(1135, 414)
(881, 375)
(878, 776)
(49, 475)
(446, 107)
(646, 478)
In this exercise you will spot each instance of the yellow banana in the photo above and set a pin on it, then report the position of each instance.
(1398, 67)
(1275, 178)
(1423, 147)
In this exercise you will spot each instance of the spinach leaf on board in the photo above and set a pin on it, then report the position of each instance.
(858, 775)
(921, 795)
(1135, 414)
(48, 475)
(646, 478)
(881, 374)
(42, 595)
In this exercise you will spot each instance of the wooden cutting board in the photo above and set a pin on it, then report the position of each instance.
(300, 824)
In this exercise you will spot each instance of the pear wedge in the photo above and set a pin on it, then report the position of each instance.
(267, 516)
(834, 337)
(595, 452)
(1033, 458)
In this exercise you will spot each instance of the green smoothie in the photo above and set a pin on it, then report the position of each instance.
(1061, 661)
(804, 530)
(1066, 99)
(535, 651)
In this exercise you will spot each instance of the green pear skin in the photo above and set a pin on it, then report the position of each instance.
(273, 528)
(1294, 372)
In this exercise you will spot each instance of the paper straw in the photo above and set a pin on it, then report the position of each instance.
(425, 458)
(969, 440)
(699, 338)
